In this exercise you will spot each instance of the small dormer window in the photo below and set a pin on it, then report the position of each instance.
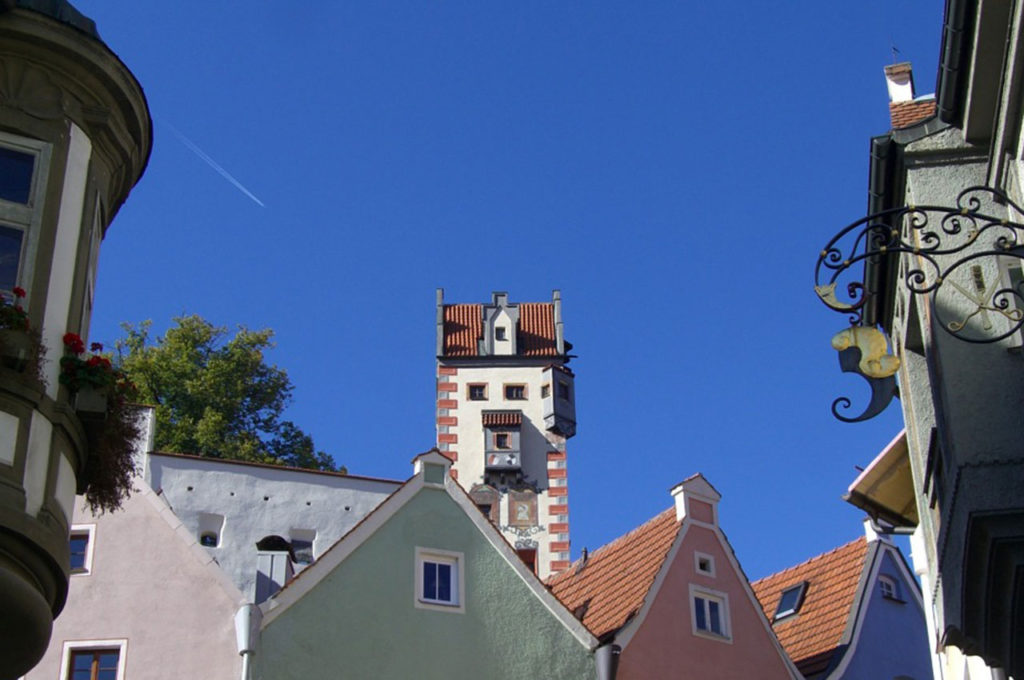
(500, 333)
(790, 601)
(890, 589)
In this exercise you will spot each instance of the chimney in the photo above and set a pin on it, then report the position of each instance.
(696, 500)
(899, 78)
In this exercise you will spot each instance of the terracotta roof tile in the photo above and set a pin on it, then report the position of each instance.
(463, 329)
(609, 588)
(537, 330)
(812, 635)
(499, 418)
(463, 326)
(905, 114)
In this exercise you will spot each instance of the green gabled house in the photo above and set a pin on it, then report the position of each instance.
(424, 587)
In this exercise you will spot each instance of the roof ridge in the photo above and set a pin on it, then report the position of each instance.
(815, 558)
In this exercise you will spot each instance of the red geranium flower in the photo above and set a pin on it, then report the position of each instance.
(18, 292)
(74, 343)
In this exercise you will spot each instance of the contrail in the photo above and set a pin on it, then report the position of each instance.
(212, 163)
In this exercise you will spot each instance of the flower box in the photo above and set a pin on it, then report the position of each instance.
(15, 349)
(91, 402)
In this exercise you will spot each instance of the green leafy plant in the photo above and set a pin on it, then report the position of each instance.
(21, 348)
(110, 466)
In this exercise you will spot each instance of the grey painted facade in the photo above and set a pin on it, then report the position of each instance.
(243, 503)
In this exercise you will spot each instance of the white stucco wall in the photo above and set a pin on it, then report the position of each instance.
(258, 501)
(535, 443)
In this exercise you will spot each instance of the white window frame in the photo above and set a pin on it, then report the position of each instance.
(889, 588)
(27, 217)
(697, 557)
(90, 531)
(724, 617)
(457, 561)
(121, 645)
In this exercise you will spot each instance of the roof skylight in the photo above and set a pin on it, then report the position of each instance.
(790, 601)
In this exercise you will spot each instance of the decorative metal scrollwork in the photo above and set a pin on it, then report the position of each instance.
(964, 259)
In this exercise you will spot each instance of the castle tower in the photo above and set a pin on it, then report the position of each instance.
(505, 406)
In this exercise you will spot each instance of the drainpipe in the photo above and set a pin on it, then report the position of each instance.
(247, 635)
(607, 659)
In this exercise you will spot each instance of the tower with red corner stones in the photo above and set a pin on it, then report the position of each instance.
(505, 408)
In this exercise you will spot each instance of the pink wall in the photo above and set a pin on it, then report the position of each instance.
(150, 585)
(665, 644)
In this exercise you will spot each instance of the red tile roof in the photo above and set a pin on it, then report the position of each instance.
(905, 114)
(499, 418)
(463, 328)
(813, 634)
(609, 588)
(537, 330)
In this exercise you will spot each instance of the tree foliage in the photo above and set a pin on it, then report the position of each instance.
(216, 396)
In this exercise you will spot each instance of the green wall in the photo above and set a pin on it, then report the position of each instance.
(360, 621)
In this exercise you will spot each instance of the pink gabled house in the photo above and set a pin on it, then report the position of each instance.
(672, 595)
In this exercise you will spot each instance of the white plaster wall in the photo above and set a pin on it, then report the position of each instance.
(535, 441)
(62, 269)
(151, 585)
(258, 501)
(37, 463)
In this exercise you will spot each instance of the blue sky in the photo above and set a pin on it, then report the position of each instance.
(672, 167)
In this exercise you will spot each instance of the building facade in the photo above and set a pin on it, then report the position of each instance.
(424, 587)
(853, 612)
(935, 270)
(505, 409)
(75, 135)
(672, 599)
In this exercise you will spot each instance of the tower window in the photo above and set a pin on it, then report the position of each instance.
(502, 440)
(477, 391)
(563, 390)
(81, 549)
(500, 333)
(515, 392)
(545, 391)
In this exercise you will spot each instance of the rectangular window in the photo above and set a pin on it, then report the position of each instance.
(23, 165)
(94, 664)
(515, 392)
(563, 390)
(790, 601)
(477, 391)
(545, 391)
(439, 583)
(502, 440)
(500, 333)
(710, 613)
(93, 660)
(81, 545)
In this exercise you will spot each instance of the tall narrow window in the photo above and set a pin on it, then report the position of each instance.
(81, 545)
(22, 175)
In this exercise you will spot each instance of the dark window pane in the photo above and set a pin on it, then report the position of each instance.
(698, 608)
(429, 581)
(81, 661)
(444, 582)
(716, 622)
(10, 256)
(79, 545)
(15, 175)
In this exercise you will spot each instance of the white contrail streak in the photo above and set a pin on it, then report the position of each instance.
(212, 163)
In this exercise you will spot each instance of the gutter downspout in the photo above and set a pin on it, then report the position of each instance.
(606, 657)
(883, 194)
(952, 61)
(247, 635)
